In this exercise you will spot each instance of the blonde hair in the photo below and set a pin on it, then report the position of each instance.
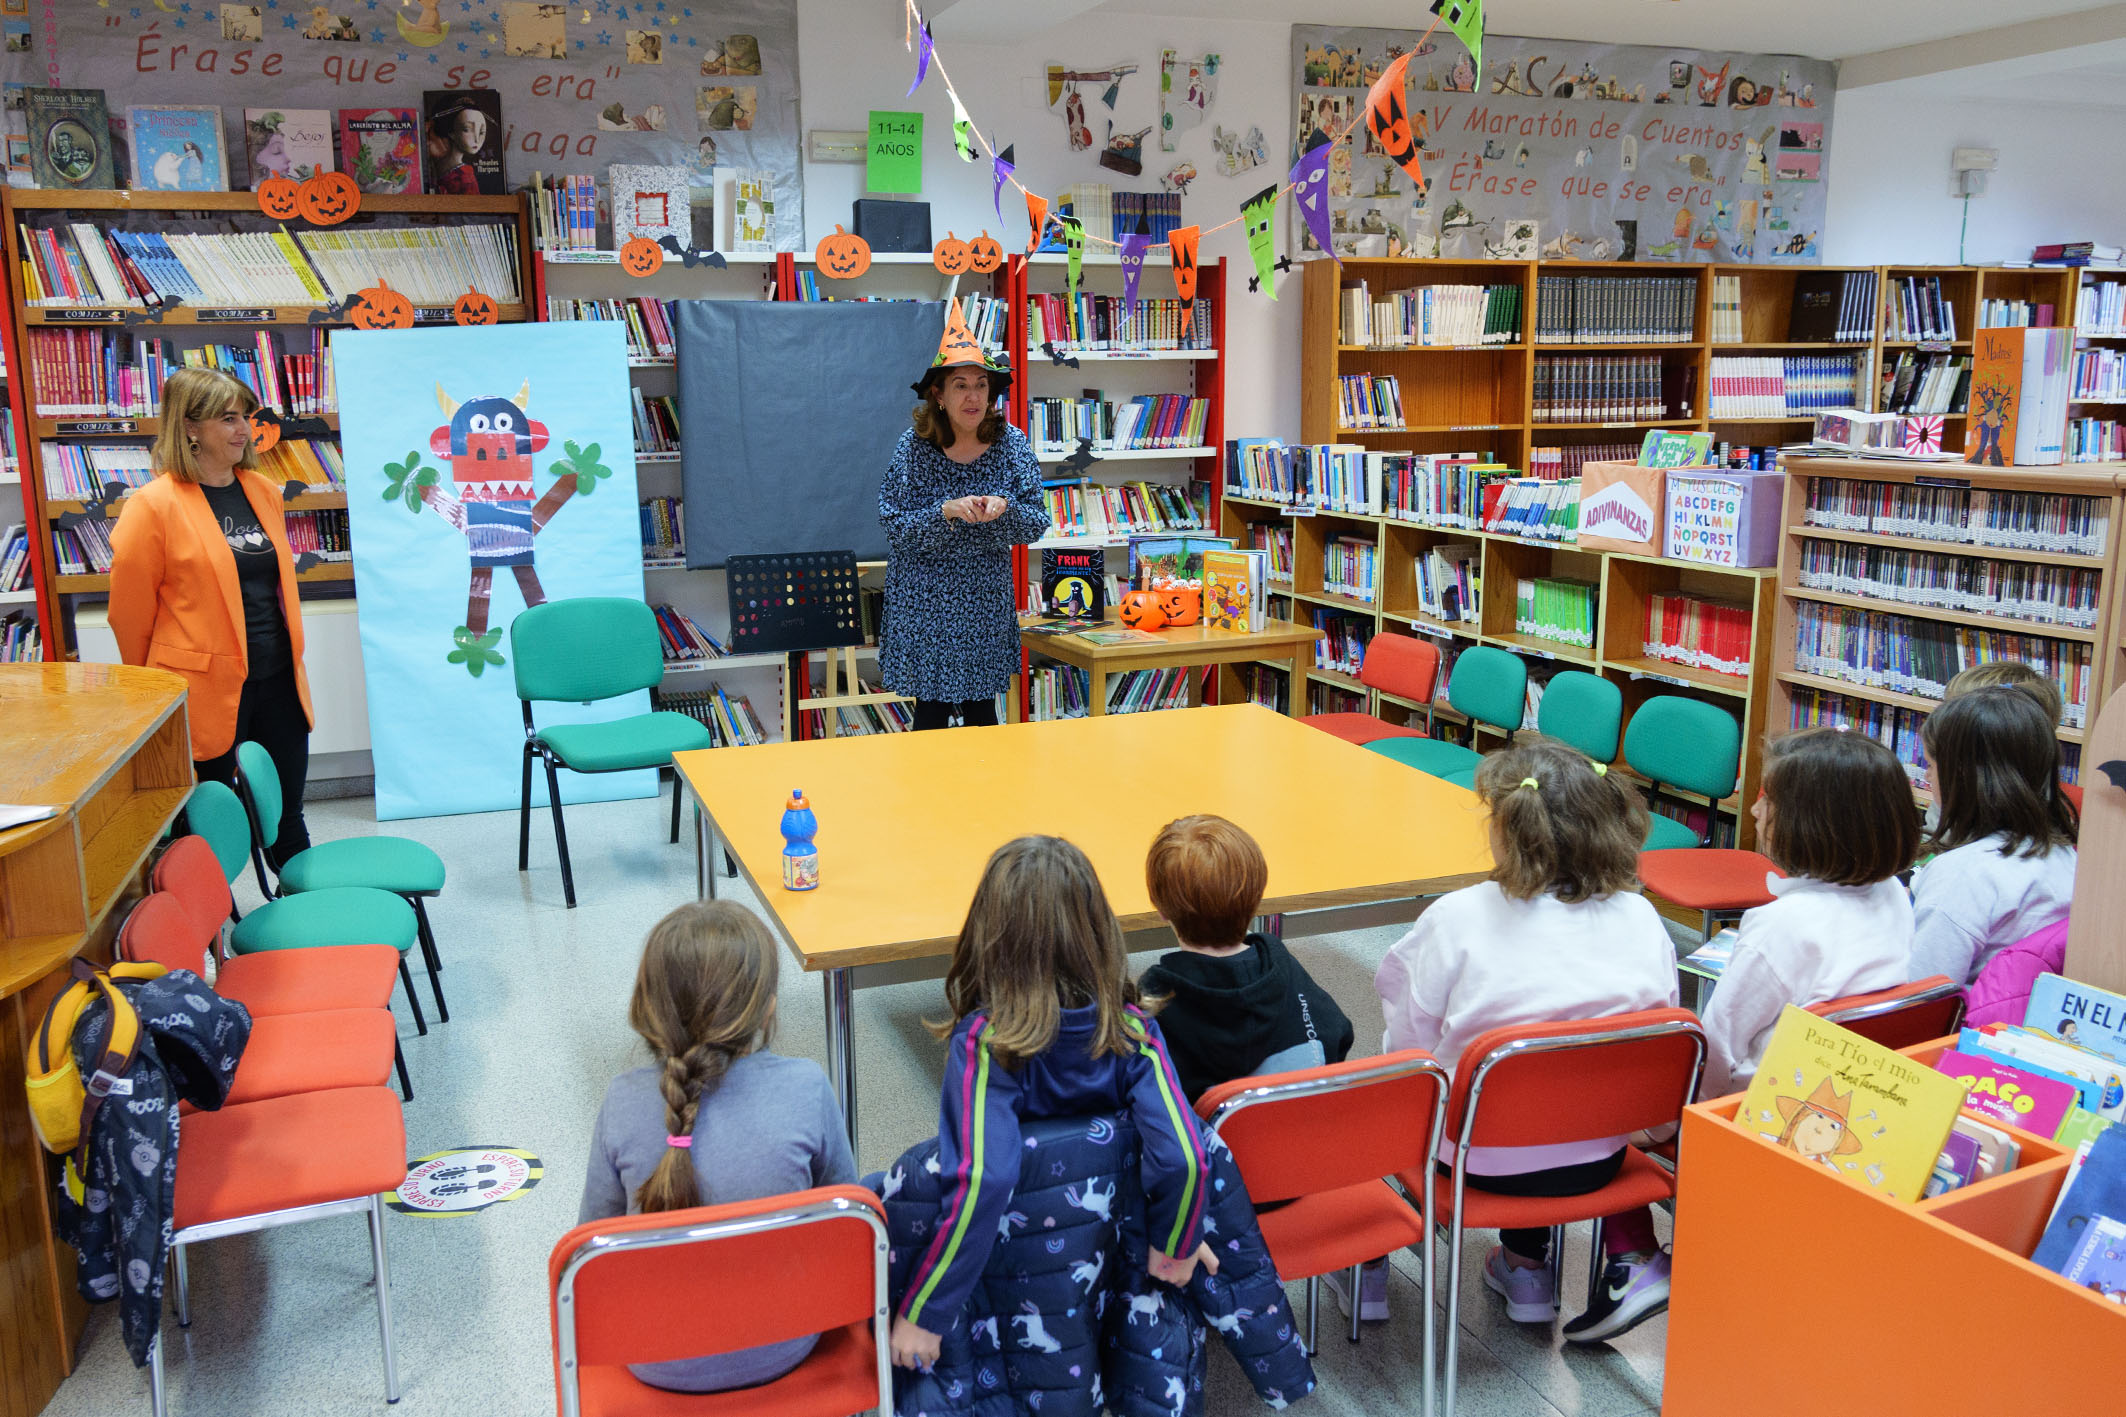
(198, 395)
(1040, 937)
(1564, 829)
(704, 997)
(2008, 674)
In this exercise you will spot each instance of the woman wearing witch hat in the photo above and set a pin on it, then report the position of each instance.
(964, 488)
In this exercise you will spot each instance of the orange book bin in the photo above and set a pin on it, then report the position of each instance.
(1794, 1291)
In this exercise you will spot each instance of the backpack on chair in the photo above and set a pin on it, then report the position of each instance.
(62, 1104)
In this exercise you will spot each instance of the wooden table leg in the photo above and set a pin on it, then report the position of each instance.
(1011, 702)
(1296, 699)
(1098, 691)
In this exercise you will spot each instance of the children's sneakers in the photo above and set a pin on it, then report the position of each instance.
(1630, 1293)
(1526, 1291)
(1372, 1290)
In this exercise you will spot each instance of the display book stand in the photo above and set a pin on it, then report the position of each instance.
(186, 326)
(2103, 483)
(1903, 1307)
(1121, 374)
(563, 275)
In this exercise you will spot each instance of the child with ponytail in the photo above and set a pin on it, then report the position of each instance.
(1559, 932)
(716, 1117)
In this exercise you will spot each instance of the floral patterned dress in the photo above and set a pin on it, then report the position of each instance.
(951, 632)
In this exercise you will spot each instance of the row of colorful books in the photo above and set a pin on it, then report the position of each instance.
(2015, 590)
(1698, 631)
(685, 641)
(1926, 383)
(1897, 728)
(663, 529)
(1345, 637)
(1271, 688)
(2096, 440)
(1782, 386)
(1914, 308)
(1556, 609)
(1146, 421)
(648, 322)
(1369, 401)
(1553, 461)
(732, 722)
(564, 212)
(20, 641)
(83, 549)
(2017, 521)
(314, 462)
(1430, 316)
(1599, 388)
(14, 559)
(1615, 309)
(79, 264)
(1274, 541)
(861, 720)
(1449, 582)
(1092, 509)
(2101, 311)
(2100, 375)
(1350, 566)
(1879, 650)
(1828, 307)
(81, 471)
(1329, 698)
(322, 533)
(656, 419)
(93, 373)
(1065, 691)
(1102, 323)
(2005, 314)
(1112, 215)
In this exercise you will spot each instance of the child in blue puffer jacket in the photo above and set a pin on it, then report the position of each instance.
(1046, 1023)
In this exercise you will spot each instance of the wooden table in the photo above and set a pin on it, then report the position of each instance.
(1175, 649)
(908, 820)
(107, 746)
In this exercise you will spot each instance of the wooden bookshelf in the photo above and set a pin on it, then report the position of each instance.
(2093, 334)
(183, 327)
(1796, 685)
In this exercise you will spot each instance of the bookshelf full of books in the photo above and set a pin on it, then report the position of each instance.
(112, 291)
(1894, 577)
(2096, 426)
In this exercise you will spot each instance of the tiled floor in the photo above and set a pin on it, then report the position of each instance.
(283, 1321)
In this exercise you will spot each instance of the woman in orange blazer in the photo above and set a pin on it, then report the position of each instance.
(202, 584)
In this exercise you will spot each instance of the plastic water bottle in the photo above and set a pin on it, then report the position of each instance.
(800, 858)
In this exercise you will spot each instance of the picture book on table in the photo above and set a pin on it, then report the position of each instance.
(2095, 1191)
(380, 148)
(2078, 1013)
(1074, 582)
(177, 148)
(1870, 1116)
(651, 201)
(1156, 562)
(295, 143)
(461, 141)
(1665, 449)
(69, 138)
(2095, 1076)
(1235, 589)
(2098, 1264)
(2016, 1096)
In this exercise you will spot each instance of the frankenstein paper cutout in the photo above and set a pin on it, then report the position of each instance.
(1256, 212)
(1074, 243)
(1466, 19)
(962, 131)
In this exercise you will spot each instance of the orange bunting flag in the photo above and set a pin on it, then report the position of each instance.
(1388, 118)
(1182, 242)
(1037, 218)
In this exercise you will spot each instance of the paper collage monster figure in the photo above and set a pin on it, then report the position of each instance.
(489, 442)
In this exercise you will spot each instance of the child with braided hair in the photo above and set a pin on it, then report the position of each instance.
(1559, 932)
(716, 1117)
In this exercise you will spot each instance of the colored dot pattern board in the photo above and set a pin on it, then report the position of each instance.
(793, 601)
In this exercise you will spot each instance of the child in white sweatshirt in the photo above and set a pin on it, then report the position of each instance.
(1559, 932)
(1837, 815)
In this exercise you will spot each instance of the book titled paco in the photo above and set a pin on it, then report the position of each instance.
(1870, 1116)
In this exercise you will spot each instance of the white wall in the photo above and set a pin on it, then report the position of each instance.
(850, 61)
(2062, 177)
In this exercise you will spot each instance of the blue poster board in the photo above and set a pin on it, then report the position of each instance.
(461, 445)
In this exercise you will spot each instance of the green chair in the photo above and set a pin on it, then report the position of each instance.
(581, 651)
(337, 915)
(1487, 686)
(1685, 744)
(397, 864)
(1582, 711)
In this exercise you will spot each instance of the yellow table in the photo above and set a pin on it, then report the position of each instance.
(907, 821)
(1175, 649)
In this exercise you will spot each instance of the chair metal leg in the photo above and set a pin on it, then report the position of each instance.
(183, 1279)
(553, 799)
(677, 793)
(398, 1058)
(413, 1000)
(1595, 1264)
(1451, 1344)
(1431, 1314)
(524, 815)
(1557, 1264)
(1357, 1278)
(431, 954)
(1313, 1305)
(383, 1296)
(158, 1398)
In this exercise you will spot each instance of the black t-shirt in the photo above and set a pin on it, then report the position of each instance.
(258, 573)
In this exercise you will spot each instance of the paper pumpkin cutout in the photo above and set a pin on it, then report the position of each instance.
(843, 255)
(1310, 189)
(474, 308)
(328, 199)
(265, 425)
(951, 256)
(1182, 242)
(279, 198)
(640, 256)
(1256, 213)
(984, 254)
(381, 308)
(1140, 610)
(1393, 126)
(1036, 220)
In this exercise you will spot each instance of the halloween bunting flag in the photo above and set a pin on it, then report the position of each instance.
(924, 44)
(1074, 243)
(1182, 243)
(1310, 189)
(1466, 19)
(1134, 244)
(1256, 212)
(1393, 126)
(1000, 168)
(963, 132)
(1036, 221)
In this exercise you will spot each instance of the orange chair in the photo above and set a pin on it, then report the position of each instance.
(1903, 1017)
(1716, 881)
(1402, 665)
(2072, 791)
(1546, 1083)
(1326, 1140)
(659, 1287)
(281, 1162)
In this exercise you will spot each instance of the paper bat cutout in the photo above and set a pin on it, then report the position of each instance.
(692, 256)
(1284, 263)
(99, 507)
(304, 560)
(150, 316)
(1057, 357)
(2115, 770)
(293, 488)
(1079, 461)
(310, 426)
(338, 310)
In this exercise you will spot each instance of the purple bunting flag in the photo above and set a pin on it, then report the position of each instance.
(923, 45)
(1134, 245)
(1310, 189)
(1001, 167)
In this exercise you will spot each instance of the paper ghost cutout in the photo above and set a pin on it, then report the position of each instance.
(1256, 213)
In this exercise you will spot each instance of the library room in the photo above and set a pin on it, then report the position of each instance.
(818, 707)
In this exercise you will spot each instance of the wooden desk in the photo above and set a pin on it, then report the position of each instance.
(108, 747)
(908, 820)
(1175, 649)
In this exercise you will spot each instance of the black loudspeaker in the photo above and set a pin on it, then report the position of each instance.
(893, 226)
